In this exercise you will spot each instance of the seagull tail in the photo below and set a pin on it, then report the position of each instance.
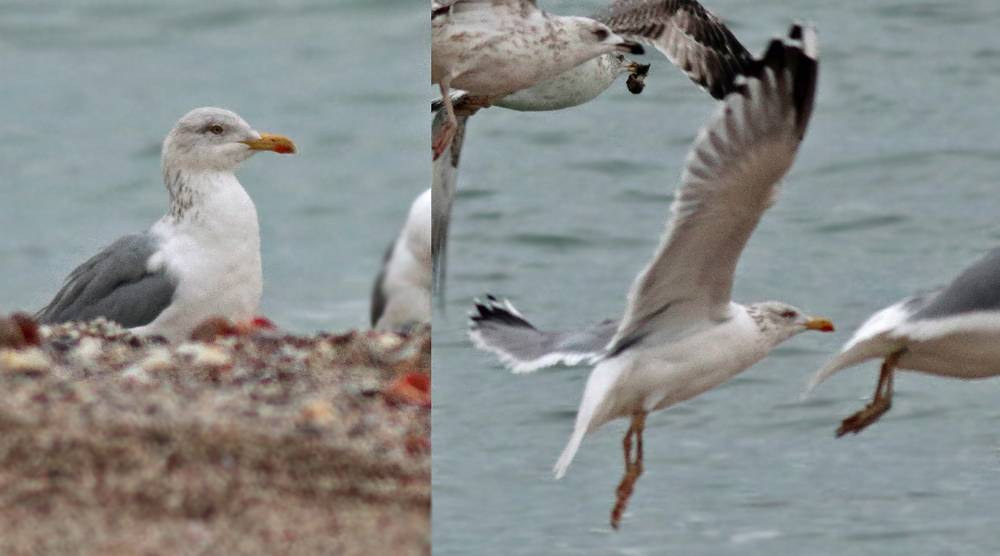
(569, 452)
(821, 376)
(595, 399)
(877, 337)
(853, 355)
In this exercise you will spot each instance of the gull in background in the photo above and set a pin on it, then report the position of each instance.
(492, 48)
(201, 260)
(691, 37)
(951, 331)
(401, 297)
(681, 334)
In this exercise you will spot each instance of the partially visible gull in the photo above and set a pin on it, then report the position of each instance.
(401, 297)
(681, 334)
(950, 331)
(201, 260)
(690, 36)
(492, 48)
(497, 326)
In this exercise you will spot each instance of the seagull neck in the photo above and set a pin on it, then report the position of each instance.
(210, 199)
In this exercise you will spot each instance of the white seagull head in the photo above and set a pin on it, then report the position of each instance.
(600, 37)
(208, 140)
(780, 321)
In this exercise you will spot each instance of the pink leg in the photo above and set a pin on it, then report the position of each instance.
(881, 403)
(447, 133)
(633, 468)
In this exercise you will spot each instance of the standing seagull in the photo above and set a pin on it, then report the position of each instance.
(681, 335)
(691, 37)
(401, 297)
(951, 331)
(492, 48)
(201, 260)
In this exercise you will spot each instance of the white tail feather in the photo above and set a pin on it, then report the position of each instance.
(595, 399)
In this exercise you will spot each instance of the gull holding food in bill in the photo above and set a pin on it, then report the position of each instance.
(491, 48)
(691, 37)
(201, 260)
(401, 297)
(681, 334)
(951, 331)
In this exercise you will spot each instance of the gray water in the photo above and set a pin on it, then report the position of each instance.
(894, 190)
(90, 89)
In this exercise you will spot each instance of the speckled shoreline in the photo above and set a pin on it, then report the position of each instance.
(244, 444)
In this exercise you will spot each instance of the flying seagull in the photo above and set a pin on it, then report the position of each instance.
(401, 297)
(691, 37)
(681, 334)
(201, 260)
(492, 48)
(950, 331)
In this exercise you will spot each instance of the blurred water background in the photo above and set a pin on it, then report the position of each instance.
(895, 190)
(90, 89)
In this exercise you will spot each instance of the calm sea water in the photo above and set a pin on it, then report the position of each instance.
(895, 189)
(90, 89)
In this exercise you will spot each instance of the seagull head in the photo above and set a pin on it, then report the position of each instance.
(782, 321)
(216, 140)
(600, 37)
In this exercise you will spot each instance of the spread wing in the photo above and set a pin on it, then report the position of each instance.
(732, 177)
(975, 289)
(691, 37)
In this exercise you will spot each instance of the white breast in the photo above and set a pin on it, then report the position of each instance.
(213, 251)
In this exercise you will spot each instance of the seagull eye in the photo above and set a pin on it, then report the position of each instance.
(601, 34)
(788, 314)
(216, 129)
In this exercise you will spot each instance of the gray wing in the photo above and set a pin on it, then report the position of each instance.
(379, 300)
(114, 284)
(691, 37)
(976, 288)
(732, 176)
(498, 327)
(445, 178)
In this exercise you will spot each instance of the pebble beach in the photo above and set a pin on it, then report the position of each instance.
(261, 443)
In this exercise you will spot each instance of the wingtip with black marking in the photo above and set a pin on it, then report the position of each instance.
(798, 53)
(496, 310)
